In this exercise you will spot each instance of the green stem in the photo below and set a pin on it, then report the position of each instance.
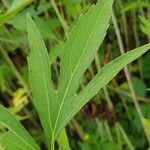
(124, 23)
(63, 141)
(61, 19)
(125, 136)
(118, 137)
(108, 131)
(52, 146)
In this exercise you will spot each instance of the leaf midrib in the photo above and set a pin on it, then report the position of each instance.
(62, 103)
(46, 90)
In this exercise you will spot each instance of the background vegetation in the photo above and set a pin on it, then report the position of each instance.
(112, 119)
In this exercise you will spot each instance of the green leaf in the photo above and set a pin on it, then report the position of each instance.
(40, 79)
(17, 130)
(54, 53)
(45, 27)
(12, 142)
(145, 25)
(138, 85)
(109, 71)
(78, 52)
(135, 5)
(16, 7)
(91, 30)
(56, 109)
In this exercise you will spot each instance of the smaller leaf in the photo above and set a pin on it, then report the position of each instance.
(138, 85)
(16, 7)
(9, 121)
(12, 142)
(135, 5)
(145, 26)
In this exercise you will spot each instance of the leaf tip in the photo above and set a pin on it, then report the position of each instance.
(29, 20)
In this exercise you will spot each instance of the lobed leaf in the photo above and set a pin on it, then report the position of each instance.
(106, 74)
(77, 54)
(57, 108)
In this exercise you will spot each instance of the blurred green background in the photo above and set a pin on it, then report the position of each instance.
(110, 120)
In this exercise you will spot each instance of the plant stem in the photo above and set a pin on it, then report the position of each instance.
(125, 136)
(136, 40)
(61, 19)
(118, 136)
(124, 24)
(52, 146)
(108, 131)
(128, 77)
(63, 141)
